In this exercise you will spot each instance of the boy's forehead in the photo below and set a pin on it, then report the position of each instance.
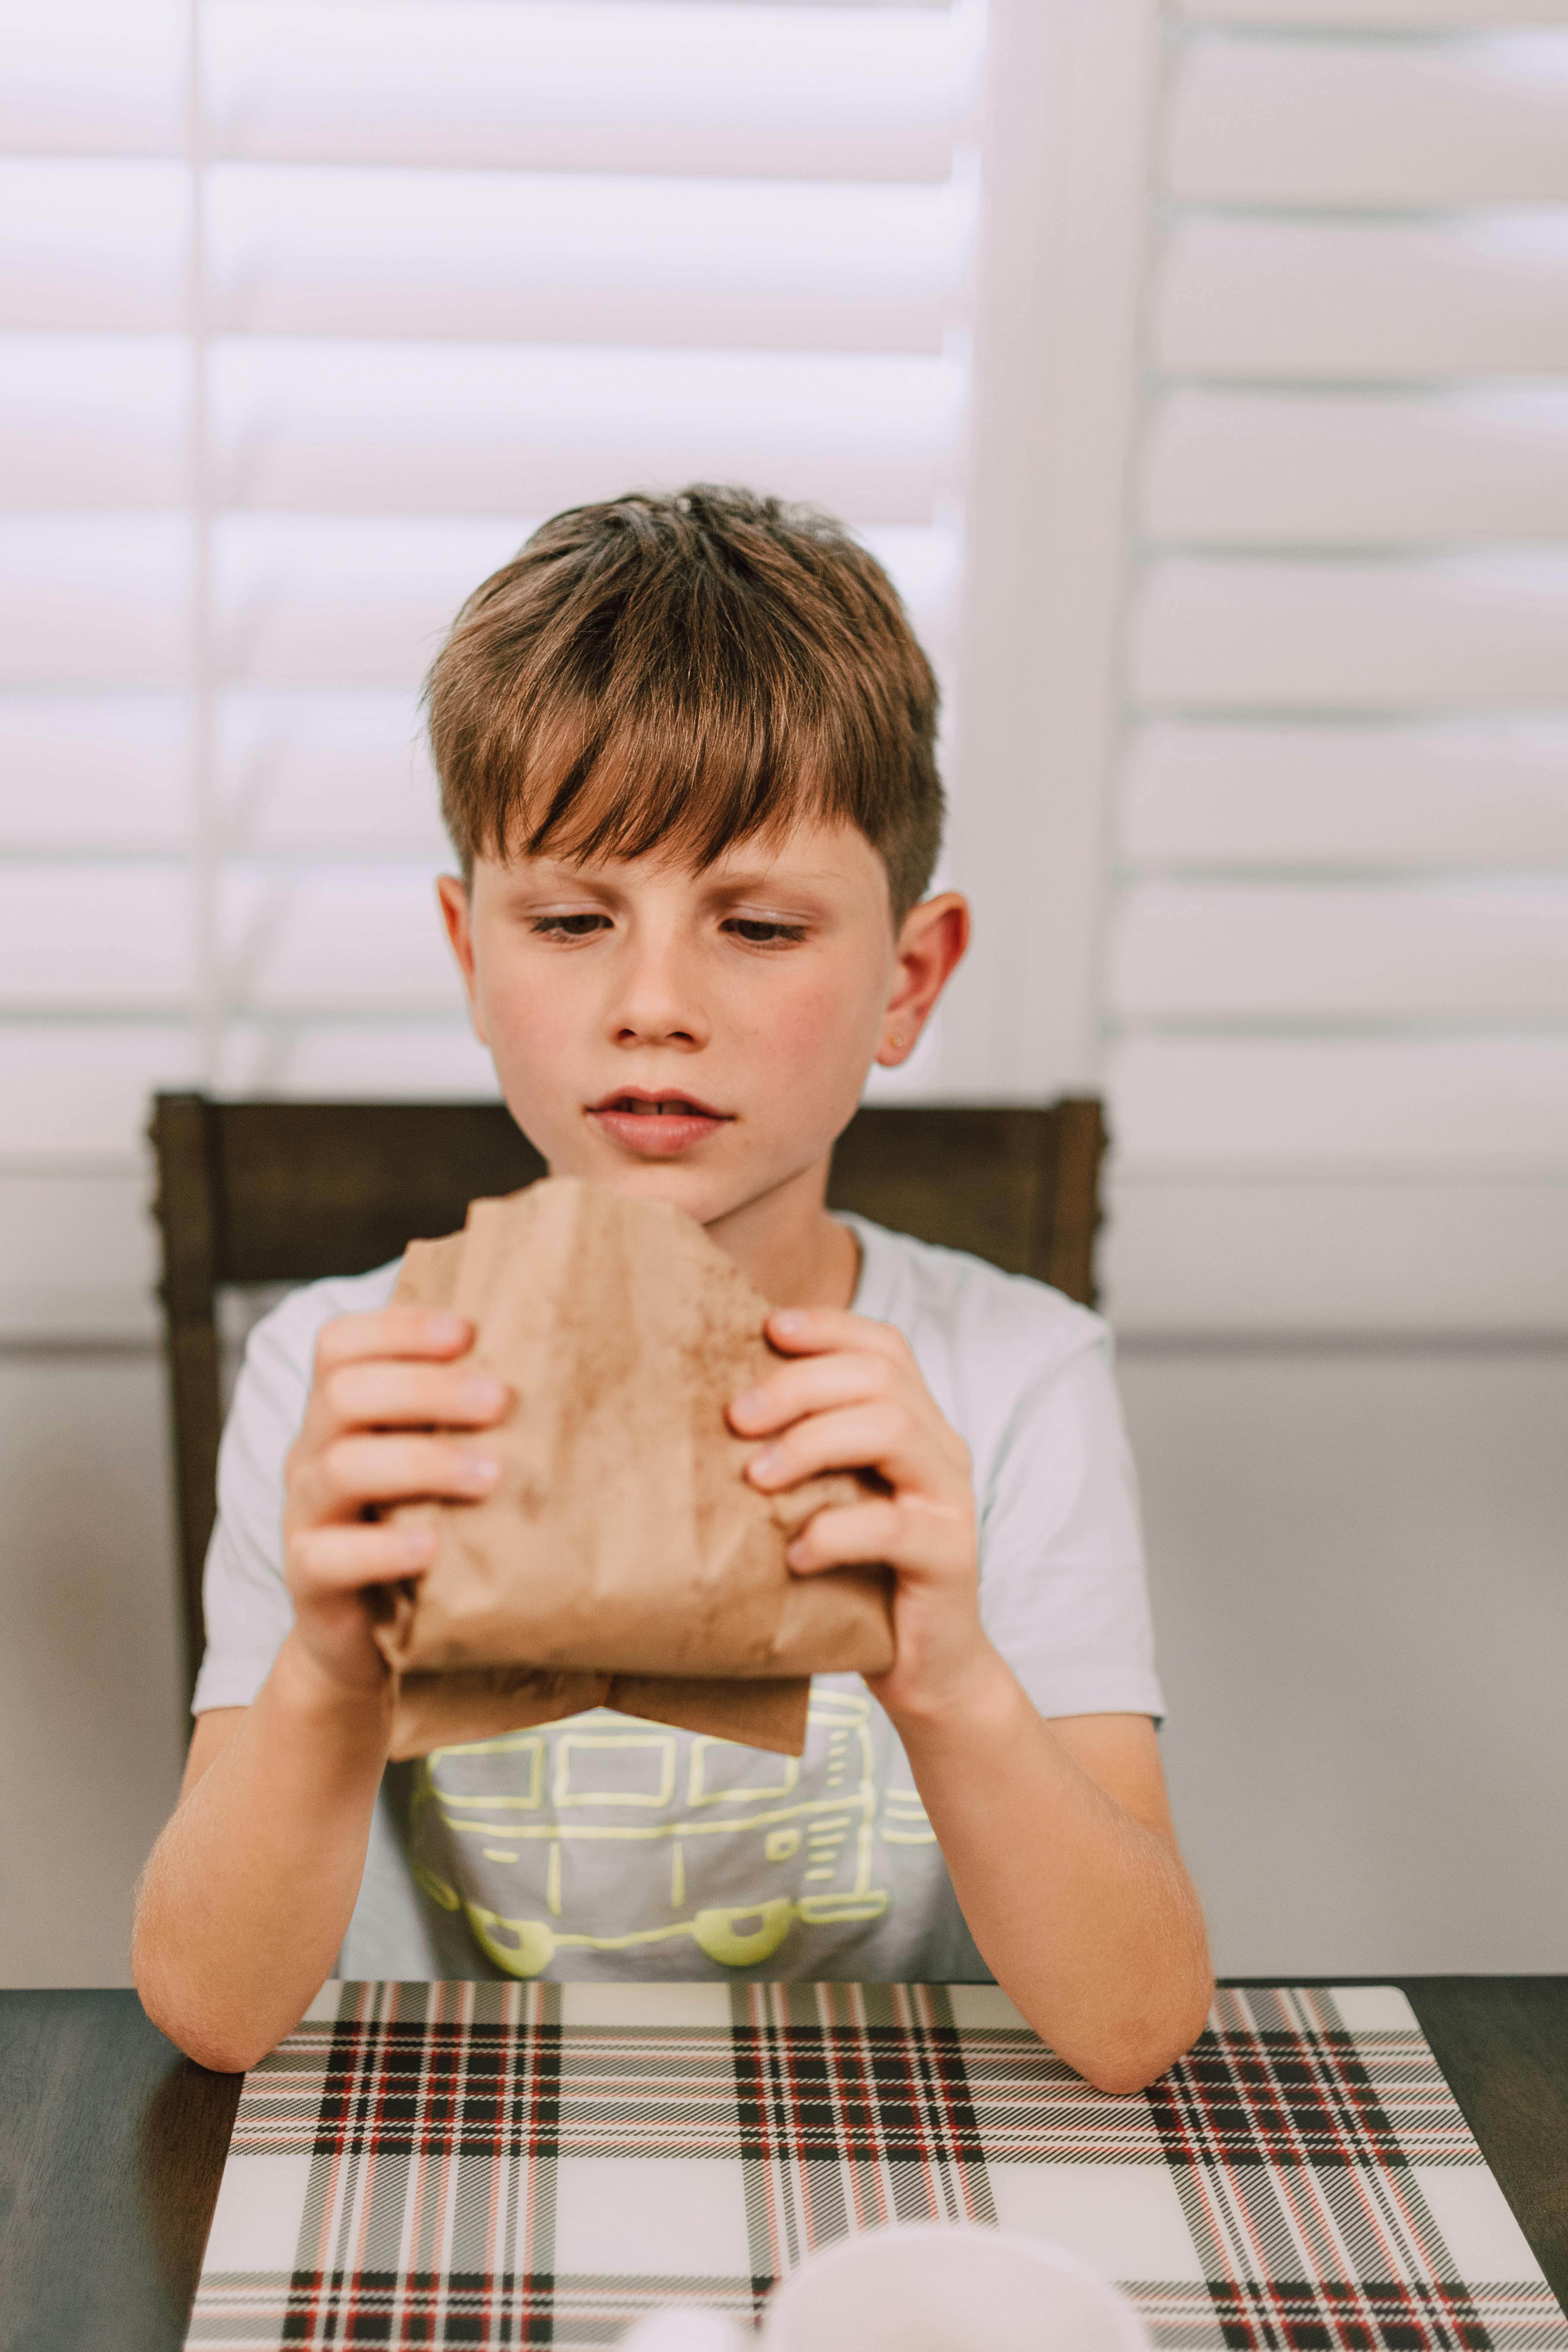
(813, 850)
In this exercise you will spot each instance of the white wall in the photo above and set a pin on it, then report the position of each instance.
(1357, 1562)
(90, 1731)
(1358, 1576)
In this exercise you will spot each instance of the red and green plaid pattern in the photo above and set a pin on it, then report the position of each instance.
(509, 2165)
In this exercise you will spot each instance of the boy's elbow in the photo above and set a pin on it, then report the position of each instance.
(208, 2041)
(219, 2053)
(1122, 2074)
(205, 2042)
(1137, 2056)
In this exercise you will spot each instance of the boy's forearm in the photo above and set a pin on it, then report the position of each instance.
(249, 1892)
(1086, 1917)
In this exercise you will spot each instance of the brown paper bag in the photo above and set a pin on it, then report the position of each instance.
(622, 1560)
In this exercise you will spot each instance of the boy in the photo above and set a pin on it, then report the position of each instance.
(686, 754)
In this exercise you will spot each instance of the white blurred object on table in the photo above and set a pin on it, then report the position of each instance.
(921, 2290)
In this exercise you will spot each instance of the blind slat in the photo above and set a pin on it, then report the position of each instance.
(587, 85)
(1256, 469)
(90, 773)
(1371, 302)
(1374, 636)
(85, 78)
(92, 421)
(1329, 123)
(1424, 1255)
(1406, 794)
(405, 427)
(345, 773)
(679, 85)
(79, 936)
(79, 1089)
(591, 259)
(103, 773)
(1255, 951)
(93, 600)
(365, 939)
(89, 246)
(386, 1060)
(409, 428)
(588, 259)
(1196, 1104)
(491, 256)
(1376, 16)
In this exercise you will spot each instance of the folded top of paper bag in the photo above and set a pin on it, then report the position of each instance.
(622, 1538)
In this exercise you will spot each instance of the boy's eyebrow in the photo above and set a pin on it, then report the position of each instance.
(610, 880)
(553, 874)
(738, 881)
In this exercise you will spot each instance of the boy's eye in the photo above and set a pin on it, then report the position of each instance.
(758, 932)
(568, 926)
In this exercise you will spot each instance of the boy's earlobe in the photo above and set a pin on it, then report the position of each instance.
(930, 944)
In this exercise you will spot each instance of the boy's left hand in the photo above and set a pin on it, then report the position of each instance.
(854, 1399)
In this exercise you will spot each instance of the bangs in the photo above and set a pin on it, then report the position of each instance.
(674, 676)
(687, 787)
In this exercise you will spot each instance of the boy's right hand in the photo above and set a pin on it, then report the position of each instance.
(385, 1424)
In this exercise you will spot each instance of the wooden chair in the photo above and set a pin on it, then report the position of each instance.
(268, 1192)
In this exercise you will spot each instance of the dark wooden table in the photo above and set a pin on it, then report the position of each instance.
(111, 2146)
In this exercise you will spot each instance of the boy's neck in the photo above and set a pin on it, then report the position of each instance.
(788, 1247)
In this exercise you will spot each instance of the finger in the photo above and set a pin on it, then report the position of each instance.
(861, 1437)
(811, 1330)
(906, 1532)
(388, 1393)
(343, 1558)
(358, 1471)
(811, 1384)
(392, 1331)
(849, 1534)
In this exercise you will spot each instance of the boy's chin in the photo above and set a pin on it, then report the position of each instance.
(706, 1194)
(679, 1183)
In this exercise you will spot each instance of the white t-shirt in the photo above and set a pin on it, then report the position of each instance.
(602, 1846)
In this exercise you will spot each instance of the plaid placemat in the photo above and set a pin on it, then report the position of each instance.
(490, 2165)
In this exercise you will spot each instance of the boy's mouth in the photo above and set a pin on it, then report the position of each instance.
(656, 1125)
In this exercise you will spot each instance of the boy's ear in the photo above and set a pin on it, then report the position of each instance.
(930, 945)
(456, 913)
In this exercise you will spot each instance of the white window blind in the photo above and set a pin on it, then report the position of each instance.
(1337, 968)
(306, 314)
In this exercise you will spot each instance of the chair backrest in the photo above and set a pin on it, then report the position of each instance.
(263, 1192)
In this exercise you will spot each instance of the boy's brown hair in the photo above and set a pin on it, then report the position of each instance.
(682, 673)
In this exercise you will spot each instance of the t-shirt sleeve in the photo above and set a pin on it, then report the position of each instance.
(245, 1597)
(1063, 1592)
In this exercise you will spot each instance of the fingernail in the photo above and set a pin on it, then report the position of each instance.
(790, 1320)
(747, 1403)
(447, 1331)
(477, 1471)
(764, 1465)
(416, 1546)
(482, 1395)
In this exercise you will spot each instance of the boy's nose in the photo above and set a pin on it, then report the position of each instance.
(655, 1005)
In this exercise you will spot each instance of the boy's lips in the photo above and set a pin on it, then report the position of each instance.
(656, 1125)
